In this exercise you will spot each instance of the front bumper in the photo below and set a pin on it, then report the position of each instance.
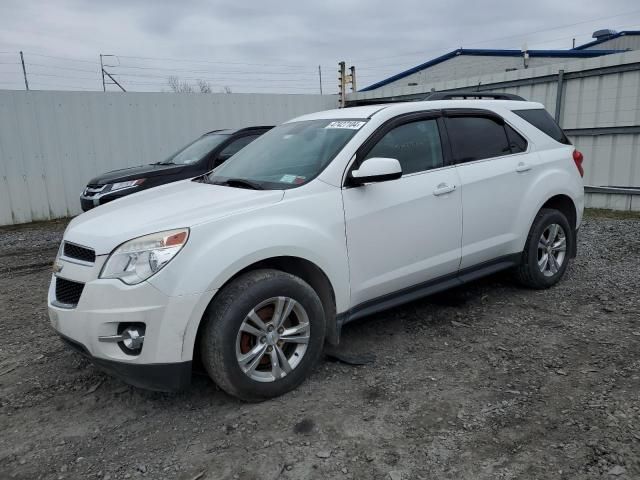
(167, 377)
(171, 324)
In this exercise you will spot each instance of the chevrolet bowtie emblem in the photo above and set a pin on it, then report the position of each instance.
(57, 267)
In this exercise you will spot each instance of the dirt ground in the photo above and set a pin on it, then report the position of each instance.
(489, 381)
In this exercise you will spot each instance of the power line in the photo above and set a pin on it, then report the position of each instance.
(58, 67)
(164, 59)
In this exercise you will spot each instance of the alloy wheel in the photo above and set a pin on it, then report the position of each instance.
(273, 339)
(552, 249)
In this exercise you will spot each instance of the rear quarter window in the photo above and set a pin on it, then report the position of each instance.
(544, 122)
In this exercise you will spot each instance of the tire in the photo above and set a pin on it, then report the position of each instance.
(530, 272)
(224, 346)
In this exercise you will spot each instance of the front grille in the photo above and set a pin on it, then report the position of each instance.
(80, 253)
(93, 190)
(68, 292)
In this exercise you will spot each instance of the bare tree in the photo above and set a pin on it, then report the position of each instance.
(178, 86)
(204, 86)
(226, 89)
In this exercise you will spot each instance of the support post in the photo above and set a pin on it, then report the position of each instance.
(113, 79)
(320, 78)
(342, 84)
(353, 78)
(104, 85)
(559, 91)
(24, 71)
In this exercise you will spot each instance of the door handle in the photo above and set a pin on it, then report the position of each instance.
(523, 167)
(443, 188)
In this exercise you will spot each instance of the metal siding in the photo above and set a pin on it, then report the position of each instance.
(52, 143)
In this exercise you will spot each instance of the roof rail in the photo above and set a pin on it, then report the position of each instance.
(469, 94)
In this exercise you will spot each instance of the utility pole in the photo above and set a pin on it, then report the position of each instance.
(343, 80)
(24, 71)
(104, 86)
(353, 78)
(320, 78)
(342, 84)
(104, 72)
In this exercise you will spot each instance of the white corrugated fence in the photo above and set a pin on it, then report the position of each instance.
(52, 143)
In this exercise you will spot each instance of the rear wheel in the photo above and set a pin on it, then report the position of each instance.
(546, 253)
(263, 335)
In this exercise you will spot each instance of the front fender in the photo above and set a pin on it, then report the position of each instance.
(219, 250)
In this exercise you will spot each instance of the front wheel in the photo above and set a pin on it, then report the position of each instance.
(547, 251)
(263, 334)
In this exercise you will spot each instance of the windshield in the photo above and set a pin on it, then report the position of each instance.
(196, 151)
(287, 156)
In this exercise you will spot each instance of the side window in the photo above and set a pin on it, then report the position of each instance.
(235, 146)
(540, 118)
(415, 145)
(475, 138)
(516, 141)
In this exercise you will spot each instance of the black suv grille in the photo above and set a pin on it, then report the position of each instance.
(93, 190)
(68, 292)
(79, 253)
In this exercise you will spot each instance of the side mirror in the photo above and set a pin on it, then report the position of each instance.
(376, 169)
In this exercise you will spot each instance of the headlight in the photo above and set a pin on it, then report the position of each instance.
(127, 184)
(138, 259)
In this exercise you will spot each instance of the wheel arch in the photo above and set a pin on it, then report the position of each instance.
(299, 267)
(564, 204)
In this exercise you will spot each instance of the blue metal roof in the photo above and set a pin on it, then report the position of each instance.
(492, 53)
(611, 37)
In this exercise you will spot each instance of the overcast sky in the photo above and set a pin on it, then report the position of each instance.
(259, 46)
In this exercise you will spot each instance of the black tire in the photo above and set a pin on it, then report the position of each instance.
(528, 273)
(225, 316)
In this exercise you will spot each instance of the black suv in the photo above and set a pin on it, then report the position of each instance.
(200, 156)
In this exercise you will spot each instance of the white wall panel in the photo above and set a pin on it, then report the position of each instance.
(52, 143)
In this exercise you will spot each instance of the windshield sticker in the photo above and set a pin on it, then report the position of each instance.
(288, 178)
(349, 124)
(292, 179)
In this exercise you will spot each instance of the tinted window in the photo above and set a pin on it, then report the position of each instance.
(475, 138)
(541, 119)
(415, 145)
(237, 145)
(516, 141)
(196, 151)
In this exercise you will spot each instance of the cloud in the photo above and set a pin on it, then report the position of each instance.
(275, 45)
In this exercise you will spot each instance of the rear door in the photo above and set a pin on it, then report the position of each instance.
(405, 232)
(494, 166)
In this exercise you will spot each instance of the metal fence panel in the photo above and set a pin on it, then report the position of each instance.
(52, 143)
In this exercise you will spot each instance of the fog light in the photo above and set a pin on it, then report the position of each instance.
(130, 338)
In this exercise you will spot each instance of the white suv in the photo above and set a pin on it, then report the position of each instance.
(327, 218)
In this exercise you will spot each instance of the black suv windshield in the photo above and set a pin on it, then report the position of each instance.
(287, 156)
(196, 151)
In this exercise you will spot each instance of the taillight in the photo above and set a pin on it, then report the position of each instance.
(577, 158)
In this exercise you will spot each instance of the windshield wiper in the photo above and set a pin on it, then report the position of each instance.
(240, 183)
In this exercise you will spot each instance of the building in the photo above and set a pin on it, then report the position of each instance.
(463, 63)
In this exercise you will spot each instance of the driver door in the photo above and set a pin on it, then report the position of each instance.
(403, 234)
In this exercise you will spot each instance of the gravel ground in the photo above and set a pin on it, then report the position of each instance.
(489, 381)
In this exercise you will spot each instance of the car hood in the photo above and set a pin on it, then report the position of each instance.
(133, 173)
(181, 204)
